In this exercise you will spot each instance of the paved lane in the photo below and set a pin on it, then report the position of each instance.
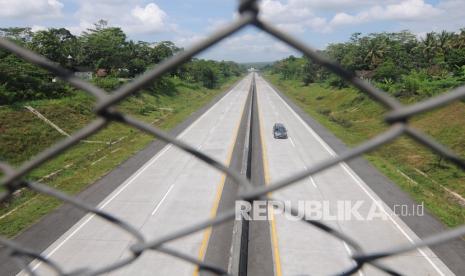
(170, 191)
(301, 249)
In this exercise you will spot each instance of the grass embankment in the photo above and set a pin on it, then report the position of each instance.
(355, 118)
(23, 135)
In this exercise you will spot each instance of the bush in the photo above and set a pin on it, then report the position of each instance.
(9, 95)
(388, 85)
(5, 95)
(324, 111)
(340, 121)
(410, 86)
(107, 83)
(419, 84)
(388, 70)
(146, 109)
(164, 86)
(22, 81)
(435, 87)
(335, 81)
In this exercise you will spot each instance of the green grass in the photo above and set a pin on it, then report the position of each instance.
(23, 135)
(354, 118)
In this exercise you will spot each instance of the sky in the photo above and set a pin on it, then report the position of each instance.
(317, 22)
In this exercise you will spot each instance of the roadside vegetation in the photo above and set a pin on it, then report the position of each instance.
(104, 54)
(409, 69)
(103, 50)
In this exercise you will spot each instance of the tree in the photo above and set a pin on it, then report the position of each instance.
(429, 48)
(23, 81)
(387, 70)
(99, 47)
(376, 49)
(103, 47)
(56, 44)
(310, 71)
(136, 57)
(163, 50)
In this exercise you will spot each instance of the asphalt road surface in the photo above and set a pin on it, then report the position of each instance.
(173, 189)
(170, 191)
(300, 249)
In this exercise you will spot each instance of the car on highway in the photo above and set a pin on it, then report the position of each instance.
(279, 131)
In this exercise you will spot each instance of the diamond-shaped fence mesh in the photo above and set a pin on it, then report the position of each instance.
(398, 117)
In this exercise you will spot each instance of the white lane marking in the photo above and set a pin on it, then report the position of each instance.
(163, 199)
(131, 180)
(357, 180)
(313, 181)
(292, 142)
(134, 176)
(360, 272)
(310, 177)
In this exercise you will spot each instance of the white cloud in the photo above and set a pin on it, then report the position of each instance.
(37, 28)
(250, 47)
(289, 12)
(409, 10)
(129, 15)
(78, 29)
(30, 8)
(148, 19)
(293, 16)
(452, 18)
(187, 40)
(335, 5)
(300, 15)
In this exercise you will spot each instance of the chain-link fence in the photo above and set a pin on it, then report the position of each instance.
(397, 117)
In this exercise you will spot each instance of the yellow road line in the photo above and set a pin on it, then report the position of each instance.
(219, 192)
(266, 172)
(207, 232)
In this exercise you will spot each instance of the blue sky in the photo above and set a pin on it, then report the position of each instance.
(318, 22)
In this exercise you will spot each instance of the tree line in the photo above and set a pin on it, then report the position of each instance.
(398, 62)
(101, 47)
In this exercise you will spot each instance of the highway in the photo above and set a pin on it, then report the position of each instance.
(301, 249)
(173, 190)
(170, 191)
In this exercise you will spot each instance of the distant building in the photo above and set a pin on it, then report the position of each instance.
(102, 72)
(83, 73)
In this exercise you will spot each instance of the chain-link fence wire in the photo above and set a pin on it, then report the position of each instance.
(398, 116)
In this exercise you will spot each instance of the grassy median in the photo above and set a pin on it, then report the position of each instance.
(354, 118)
(23, 135)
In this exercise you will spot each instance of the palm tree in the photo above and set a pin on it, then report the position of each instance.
(429, 47)
(444, 41)
(459, 39)
(376, 50)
